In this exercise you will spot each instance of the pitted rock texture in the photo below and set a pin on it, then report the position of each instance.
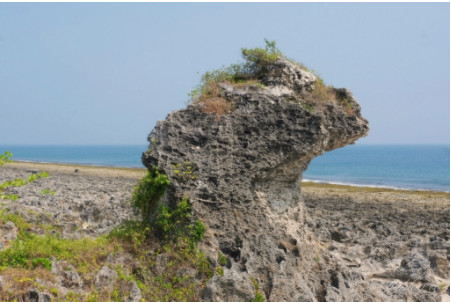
(242, 172)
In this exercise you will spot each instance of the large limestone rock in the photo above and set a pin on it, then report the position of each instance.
(241, 171)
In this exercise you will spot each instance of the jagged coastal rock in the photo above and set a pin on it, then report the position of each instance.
(242, 173)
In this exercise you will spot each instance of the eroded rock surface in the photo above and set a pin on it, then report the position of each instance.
(242, 171)
(80, 204)
(397, 241)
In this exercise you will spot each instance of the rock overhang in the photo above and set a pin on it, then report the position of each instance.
(242, 170)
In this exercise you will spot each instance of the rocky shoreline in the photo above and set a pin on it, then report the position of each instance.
(397, 240)
(77, 201)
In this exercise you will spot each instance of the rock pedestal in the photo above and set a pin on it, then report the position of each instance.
(241, 172)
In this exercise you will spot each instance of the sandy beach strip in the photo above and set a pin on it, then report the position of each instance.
(361, 194)
(82, 169)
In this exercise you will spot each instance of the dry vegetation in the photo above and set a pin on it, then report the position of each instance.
(257, 61)
(211, 100)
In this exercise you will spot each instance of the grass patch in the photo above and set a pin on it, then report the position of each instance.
(323, 92)
(18, 281)
(34, 251)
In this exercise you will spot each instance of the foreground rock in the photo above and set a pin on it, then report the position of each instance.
(242, 171)
(90, 202)
(398, 241)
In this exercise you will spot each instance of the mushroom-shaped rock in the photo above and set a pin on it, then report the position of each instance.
(242, 173)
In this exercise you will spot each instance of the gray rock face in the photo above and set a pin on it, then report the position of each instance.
(286, 79)
(36, 296)
(66, 275)
(8, 233)
(135, 293)
(105, 278)
(242, 172)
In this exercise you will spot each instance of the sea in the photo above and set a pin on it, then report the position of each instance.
(412, 167)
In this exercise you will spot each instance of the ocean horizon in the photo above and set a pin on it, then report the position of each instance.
(411, 167)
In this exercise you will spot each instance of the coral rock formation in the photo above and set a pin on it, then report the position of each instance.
(241, 172)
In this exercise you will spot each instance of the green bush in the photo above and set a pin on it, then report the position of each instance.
(258, 298)
(258, 295)
(259, 60)
(173, 224)
(169, 224)
(43, 262)
(222, 260)
(256, 63)
(148, 191)
(5, 158)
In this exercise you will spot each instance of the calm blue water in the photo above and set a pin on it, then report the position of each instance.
(118, 156)
(409, 167)
(398, 166)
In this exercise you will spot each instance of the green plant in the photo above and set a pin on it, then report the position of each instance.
(323, 92)
(346, 105)
(148, 191)
(196, 231)
(5, 158)
(18, 221)
(308, 107)
(33, 251)
(256, 63)
(258, 298)
(48, 192)
(238, 241)
(130, 230)
(44, 262)
(185, 172)
(220, 271)
(258, 295)
(222, 260)
(170, 224)
(54, 291)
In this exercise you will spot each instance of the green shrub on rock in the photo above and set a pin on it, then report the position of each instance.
(174, 224)
(259, 60)
(148, 191)
(256, 63)
(5, 158)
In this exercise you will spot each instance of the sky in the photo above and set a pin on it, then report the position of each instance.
(105, 73)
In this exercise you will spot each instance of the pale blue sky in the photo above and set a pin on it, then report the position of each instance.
(86, 73)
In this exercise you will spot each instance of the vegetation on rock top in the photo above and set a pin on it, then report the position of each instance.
(252, 71)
